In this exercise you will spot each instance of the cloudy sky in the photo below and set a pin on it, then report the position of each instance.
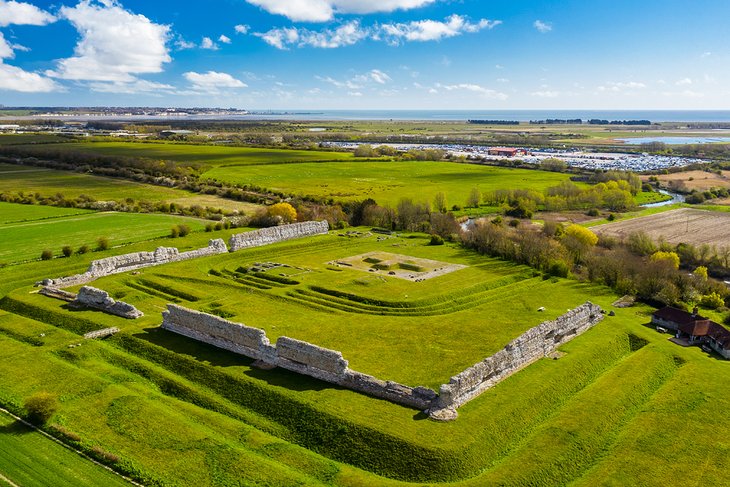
(367, 54)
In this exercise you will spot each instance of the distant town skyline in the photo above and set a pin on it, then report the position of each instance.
(357, 54)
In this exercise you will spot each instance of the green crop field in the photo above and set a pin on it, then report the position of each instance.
(23, 240)
(49, 182)
(14, 213)
(203, 155)
(28, 458)
(386, 182)
(179, 412)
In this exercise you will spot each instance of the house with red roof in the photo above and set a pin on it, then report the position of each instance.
(696, 329)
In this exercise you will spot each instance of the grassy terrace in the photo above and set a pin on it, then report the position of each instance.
(179, 412)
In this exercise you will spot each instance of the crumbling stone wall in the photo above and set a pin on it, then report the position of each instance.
(271, 235)
(137, 260)
(535, 343)
(288, 353)
(92, 297)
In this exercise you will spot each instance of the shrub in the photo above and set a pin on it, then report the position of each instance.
(184, 230)
(67, 251)
(712, 301)
(593, 212)
(670, 257)
(436, 240)
(175, 231)
(611, 217)
(209, 227)
(283, 212)
(40, 407)
(220, 226)
(102, 243)
(514, 223)
(84, 249)
(558, 268)
(47, 254)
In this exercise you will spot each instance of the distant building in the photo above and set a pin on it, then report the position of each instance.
(505, 151)
(696, 329)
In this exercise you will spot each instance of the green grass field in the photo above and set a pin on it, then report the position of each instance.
(386, 182)
(28, 458)
(179, 412)
(49, 182)
(204, 155)
(23, 240)
(14, 213)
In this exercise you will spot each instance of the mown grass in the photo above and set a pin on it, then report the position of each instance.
(29, 458)
(177, 412)
(385, 182)
(202, 155)
(49, 182)
(15, 213)
(26, 240)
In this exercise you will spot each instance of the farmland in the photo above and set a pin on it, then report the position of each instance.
(696, 180)
(685, 225)
(170, 408)
(24, 240)
(385, 182)
(49, 182)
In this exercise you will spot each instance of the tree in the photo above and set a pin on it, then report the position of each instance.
(475, 196)
(553, 164)
(671, 257)
(439, 202)
(701, 273)
(712, 301)
(578, 240)
(283, 212)
(40, 407)
(102, 243)
(365, 150)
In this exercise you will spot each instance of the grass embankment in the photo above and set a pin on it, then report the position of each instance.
(179, 412)
(28, 458)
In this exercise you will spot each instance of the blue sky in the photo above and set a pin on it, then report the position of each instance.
(358, 54)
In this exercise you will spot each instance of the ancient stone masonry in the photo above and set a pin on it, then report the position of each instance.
(96, 298)
(271, 235)
(137, 260)
(534, 344)
(288, 353)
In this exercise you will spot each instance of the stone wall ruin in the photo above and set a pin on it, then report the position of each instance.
(288, 353)
(137, 260)
(266, 236)
(92, 297)
(532, 345)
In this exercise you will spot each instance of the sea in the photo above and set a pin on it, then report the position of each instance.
(513, 115)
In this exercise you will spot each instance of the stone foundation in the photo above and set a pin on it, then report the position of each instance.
(266, 236)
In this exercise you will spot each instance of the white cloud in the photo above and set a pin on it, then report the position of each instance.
(359, 81)
(242, 29)
(542, 27)
(16, 79)
(354, 93)
(324, 10)
(706, 54)
(182, 44)
(474, 88)
(224, 39)
(433, 30)
(115, 44)
(208, 43)
(353, 32)
(344, 35)
(378, 76)
(684, 82)
(21, 13)
(622, 86)
(212, 81)
(131, 88)
(546, 94)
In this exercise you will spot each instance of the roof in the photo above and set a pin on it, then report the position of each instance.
(720, 334)
(698, 328)
(676, 315)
